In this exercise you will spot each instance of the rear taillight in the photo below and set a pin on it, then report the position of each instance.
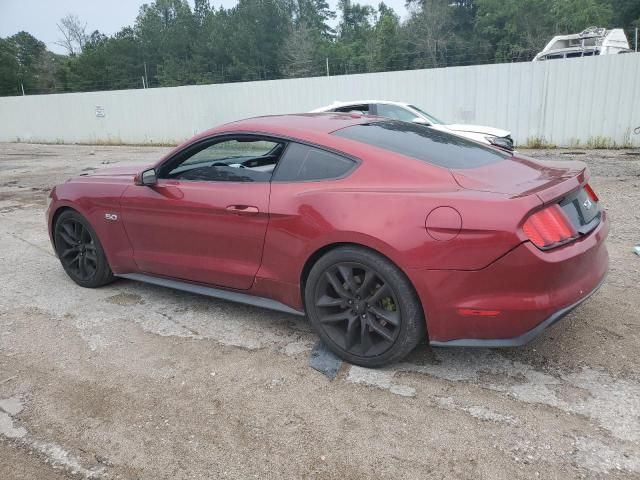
(549, 228)
(592, 194)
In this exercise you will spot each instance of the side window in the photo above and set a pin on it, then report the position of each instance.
(364, 109)
(242, 159)
(395, 112)
(305, 163)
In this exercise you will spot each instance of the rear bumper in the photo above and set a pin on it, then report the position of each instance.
(515, 341)
(527, 289)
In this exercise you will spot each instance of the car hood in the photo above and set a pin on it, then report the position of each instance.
(129, 170)
(494, 132)
(519, 176)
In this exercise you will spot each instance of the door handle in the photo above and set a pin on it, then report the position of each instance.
(243, 210)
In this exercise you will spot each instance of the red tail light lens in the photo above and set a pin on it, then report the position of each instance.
(592, 194)
(549, 228)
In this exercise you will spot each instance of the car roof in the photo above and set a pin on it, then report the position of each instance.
(297, 124)
(313, 128)
(310, 127)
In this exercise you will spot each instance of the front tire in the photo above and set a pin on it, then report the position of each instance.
(80, 252)
(363, 307)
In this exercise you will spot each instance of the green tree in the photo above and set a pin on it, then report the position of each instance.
(388, 46)
(314, 15)
(27, 63)
(167, 31)
(264, 39)
(572, 16)
(305, 48)
(211, 51)
(201, 10)
(256, 36)
(514, 29)
(301, 52)
(431, 30)
(626, 14)
(9, 79)
(354, 46)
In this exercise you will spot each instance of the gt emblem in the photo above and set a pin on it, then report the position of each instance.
(587, 204)
(111, 216)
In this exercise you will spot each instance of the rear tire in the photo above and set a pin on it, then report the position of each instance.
(80, 251)
(363, 307)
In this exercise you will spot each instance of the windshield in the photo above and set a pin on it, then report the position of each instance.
(433, 120)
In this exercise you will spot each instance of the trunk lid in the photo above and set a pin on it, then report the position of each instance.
(519, 176)
(553, 182)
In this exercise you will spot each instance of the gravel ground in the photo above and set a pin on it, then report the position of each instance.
(136, 381)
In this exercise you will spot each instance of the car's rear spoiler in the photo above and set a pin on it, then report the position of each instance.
(551, 194)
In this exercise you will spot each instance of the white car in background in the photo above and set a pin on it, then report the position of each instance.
(410, 113)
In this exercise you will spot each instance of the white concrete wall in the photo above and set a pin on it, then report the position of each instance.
(566, 103)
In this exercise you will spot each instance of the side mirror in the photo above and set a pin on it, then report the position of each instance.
(420, 121)
(147, 177)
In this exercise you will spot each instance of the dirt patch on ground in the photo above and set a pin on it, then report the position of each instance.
(126, 299)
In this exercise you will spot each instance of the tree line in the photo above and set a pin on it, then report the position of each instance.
(172, 43)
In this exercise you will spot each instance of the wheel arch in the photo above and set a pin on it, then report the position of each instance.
(315, 256)
(54, 218)
(87, 218)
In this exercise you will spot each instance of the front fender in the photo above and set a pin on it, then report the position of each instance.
(99, 204)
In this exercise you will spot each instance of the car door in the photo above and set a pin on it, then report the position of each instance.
(206, 217)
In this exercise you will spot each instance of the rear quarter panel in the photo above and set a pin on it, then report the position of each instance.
(383, 205)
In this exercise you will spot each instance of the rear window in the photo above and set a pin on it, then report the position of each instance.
(423, 143)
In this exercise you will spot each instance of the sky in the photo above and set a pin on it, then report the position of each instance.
(39, 17)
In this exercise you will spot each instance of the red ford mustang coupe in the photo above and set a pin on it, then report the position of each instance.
(383, 232)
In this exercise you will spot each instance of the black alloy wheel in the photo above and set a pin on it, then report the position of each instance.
(80, 251)
(77, 249)
(363, 307)
(358, 309)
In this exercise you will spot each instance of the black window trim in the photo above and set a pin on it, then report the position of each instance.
(161, 169)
